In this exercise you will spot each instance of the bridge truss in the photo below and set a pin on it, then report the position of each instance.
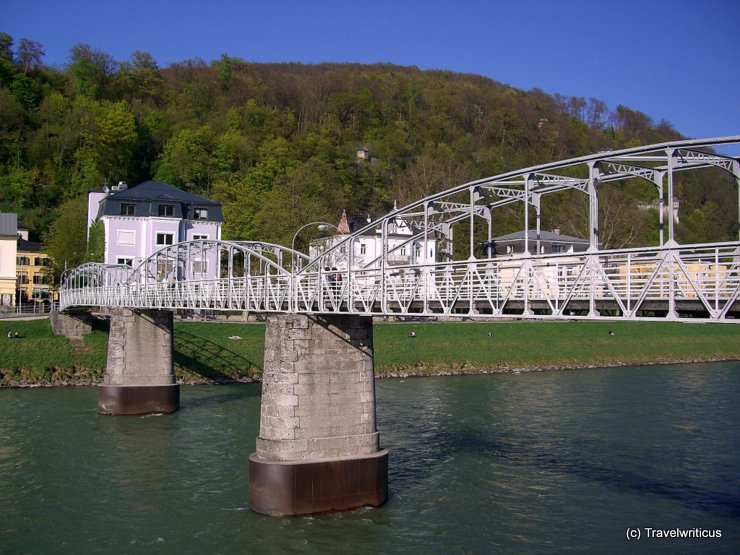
(466, 278)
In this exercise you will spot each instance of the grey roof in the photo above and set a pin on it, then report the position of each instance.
(151, 193)
(8, 224)
(548, 236)
(29, 246)
(156, 190)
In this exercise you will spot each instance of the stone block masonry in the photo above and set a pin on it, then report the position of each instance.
(140, 376)
(71, 326)
(317, 417)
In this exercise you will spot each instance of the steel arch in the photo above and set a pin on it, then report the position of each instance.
(668, 281)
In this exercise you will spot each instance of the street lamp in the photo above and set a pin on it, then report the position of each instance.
(320, 226)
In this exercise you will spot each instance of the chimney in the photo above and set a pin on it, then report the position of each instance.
(556, 230)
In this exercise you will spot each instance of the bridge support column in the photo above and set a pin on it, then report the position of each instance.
(73, 325)
(318, 446)
(139, 378)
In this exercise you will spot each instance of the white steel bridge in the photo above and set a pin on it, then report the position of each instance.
(668, 281)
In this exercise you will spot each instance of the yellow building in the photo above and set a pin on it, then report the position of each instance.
(32, 265)
(8, 245)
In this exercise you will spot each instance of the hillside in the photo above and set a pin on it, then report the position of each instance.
(277, 143)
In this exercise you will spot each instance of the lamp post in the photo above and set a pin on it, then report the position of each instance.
(321, 226)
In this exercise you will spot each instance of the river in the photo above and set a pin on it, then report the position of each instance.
(516, 463)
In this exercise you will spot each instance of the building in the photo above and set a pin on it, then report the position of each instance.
(406, 244)
(549, 242)
(140, 220)
(32, 269)
(8, 251)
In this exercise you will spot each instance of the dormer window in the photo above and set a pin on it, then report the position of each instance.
(127, 209)
(200, 213)
(166, 211)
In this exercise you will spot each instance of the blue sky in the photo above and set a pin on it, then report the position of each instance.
(675, 60)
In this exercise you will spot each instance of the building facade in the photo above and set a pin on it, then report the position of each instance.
(33, 280)
(140, 220)
(367, 247)
(544, 242)
(8, 253)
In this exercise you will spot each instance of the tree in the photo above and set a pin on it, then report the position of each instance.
(6, 47)
(91, 70)
(116, 138)
(30, 55)
(96, 242)
(66, 240)
(187, 157)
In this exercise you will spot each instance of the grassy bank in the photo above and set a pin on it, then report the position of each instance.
(206, 352)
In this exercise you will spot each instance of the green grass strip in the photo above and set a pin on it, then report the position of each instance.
(224, 351)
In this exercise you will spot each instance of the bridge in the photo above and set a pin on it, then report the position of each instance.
(318, 448)
(664, 281)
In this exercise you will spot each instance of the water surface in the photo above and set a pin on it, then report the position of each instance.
(518, 463)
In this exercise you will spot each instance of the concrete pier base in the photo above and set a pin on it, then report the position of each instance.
(140, 378)
(138, 400)
(317, 486)
(318, 447)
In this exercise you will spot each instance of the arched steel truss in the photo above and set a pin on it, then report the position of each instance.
(202, 274)
(668, 281)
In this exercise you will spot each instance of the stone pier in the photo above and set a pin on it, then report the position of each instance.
(318, 446)
(72, 325)
(140, 378)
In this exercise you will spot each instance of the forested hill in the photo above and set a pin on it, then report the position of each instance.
(277, 143)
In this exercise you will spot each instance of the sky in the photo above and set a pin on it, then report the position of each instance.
(676, 60)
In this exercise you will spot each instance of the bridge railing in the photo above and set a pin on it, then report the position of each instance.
(553, 285)
(626, 281)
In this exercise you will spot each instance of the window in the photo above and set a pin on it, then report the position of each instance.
(127, 209)
(40, 279)
(165, 239)
(22, 278)
(166, 211)
(125, 261)
(417, 252)
(200, 266)
(509, 249)
(200, 213)
(199, 236)
(40, 261)
(403, 251)
(23, 261)
(363, 248)
(557, 248)
(126, 237)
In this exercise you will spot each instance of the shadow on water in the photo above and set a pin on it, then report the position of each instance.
(246, 391)
(683, 489)
(210, 360)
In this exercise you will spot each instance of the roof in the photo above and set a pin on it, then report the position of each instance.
(29, 246)
(8, 224)
(548, 236)
(156, 190)
(151, 193)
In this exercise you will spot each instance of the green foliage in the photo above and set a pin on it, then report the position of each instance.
(276, 143)
(66, 240)
(96, 242)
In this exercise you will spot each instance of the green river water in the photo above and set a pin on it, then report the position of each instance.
(568, 461)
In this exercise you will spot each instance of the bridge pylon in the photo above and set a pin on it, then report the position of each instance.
(140, 377)
(318, 446)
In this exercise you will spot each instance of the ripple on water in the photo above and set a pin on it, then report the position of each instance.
(478, 464)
